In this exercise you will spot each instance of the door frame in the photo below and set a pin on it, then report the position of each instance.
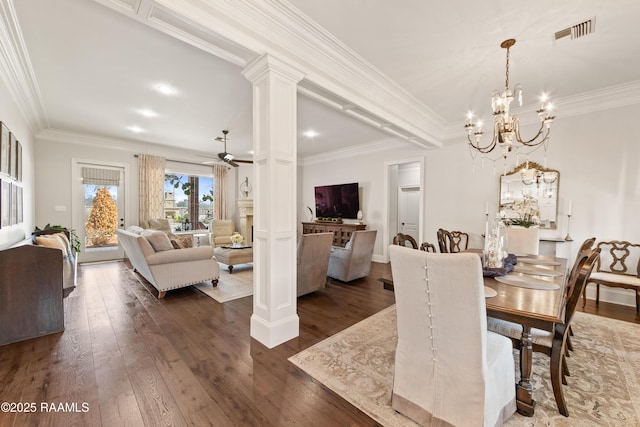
(76, 188)
(387, 226)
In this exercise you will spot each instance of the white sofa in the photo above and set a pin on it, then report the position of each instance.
(171, 268)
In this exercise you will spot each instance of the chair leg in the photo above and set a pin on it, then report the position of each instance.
(565, 371)
(637, 301)
(556, 377)
(569, 345)
(597, 293)
(584, 296)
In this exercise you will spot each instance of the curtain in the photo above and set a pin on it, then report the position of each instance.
(151, 186)
(220, 191)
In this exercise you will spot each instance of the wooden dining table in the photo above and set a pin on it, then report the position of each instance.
(531, 308)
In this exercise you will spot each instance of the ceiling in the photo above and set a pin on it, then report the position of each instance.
(96, 69)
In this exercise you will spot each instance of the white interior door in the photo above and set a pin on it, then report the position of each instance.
(409, 211)
(99, 209)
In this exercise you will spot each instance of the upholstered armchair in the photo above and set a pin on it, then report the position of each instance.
(220, 231)
(313, 261)
(354, 260)
(449, 370)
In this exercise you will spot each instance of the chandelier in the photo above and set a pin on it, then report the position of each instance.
(506, 127)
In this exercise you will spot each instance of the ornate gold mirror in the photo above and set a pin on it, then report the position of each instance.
(529, 193)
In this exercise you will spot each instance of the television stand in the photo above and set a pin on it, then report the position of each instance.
(341, 232)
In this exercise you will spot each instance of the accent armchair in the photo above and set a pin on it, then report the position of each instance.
(220, 231)
(354, 260)
(313, 261)
(449, 370)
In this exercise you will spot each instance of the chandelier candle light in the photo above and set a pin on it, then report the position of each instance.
(506, 127)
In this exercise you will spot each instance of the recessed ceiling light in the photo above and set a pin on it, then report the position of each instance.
(146, 112)
(310, 133)
(136, 129)
(165, 89)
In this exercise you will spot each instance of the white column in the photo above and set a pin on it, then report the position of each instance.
(274, 318)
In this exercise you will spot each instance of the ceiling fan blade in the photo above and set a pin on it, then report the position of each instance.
(242, 161)
(232, 163)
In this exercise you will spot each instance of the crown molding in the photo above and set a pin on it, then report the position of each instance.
(355, 151)
(16, 70)
(129, 146)
(607, 98)
(242, 30)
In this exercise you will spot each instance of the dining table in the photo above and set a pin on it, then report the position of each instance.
(532, 295)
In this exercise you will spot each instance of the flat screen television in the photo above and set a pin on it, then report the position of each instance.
(337, 201)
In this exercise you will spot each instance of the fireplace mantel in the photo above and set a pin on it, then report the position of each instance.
(245, 208)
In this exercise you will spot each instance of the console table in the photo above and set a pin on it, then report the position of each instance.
(341, 232)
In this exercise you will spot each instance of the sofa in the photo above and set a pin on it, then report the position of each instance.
(155, 257)
(354, 260)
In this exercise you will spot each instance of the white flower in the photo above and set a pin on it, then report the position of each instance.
(236, 238)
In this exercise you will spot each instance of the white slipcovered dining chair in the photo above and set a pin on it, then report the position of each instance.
(449, 369)
(523, 240)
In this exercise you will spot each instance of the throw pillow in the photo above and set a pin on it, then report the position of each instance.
(180, 243)
(51, 241)
(135, 229)
(158, 240)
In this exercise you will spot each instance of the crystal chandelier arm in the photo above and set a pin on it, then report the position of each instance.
(487, 148)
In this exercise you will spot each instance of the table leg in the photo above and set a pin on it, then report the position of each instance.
(524, 396)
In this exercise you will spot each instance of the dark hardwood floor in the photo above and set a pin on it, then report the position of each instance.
(127, 358)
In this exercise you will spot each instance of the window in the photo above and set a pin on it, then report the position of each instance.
(188, 201)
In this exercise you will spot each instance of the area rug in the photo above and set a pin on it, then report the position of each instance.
(239, 284)
(603, 389)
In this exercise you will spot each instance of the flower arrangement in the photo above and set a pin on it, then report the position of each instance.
(528, 212)
(236, 238)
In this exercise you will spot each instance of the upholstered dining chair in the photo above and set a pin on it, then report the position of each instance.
(552, 343)
(618, 267)
(523, 240)
(354, 260)
(449, 369)
(427, 247)
(313, 261)
(452, 241)
(404, 240)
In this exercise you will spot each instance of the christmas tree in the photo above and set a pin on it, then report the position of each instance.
(103, 219)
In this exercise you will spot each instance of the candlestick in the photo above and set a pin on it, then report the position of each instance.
(568, 237)
(569, 210)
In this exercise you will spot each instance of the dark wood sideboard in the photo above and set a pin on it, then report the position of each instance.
(341, 232)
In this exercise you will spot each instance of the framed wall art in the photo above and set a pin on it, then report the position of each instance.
(14, 204)
(18, 162)
(13, 156)
(5, 148)
(5, 203)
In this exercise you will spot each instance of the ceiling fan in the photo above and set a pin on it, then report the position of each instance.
(228, 157)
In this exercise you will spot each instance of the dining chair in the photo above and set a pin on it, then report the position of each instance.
(586, 245)
(427, 247)
(618, 267)
(552, 343)
(523, 240)
(452, 241)
(313, 262)
(403, 239)
(449, 369)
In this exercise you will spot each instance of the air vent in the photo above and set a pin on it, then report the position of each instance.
(580, 29)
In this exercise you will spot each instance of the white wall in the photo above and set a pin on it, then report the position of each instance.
(12, 118)
(597, 156)
(53, 177)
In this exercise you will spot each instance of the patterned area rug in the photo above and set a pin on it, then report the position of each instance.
(603, 389)
(230, 286)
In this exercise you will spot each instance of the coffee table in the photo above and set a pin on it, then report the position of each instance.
(231, 255)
